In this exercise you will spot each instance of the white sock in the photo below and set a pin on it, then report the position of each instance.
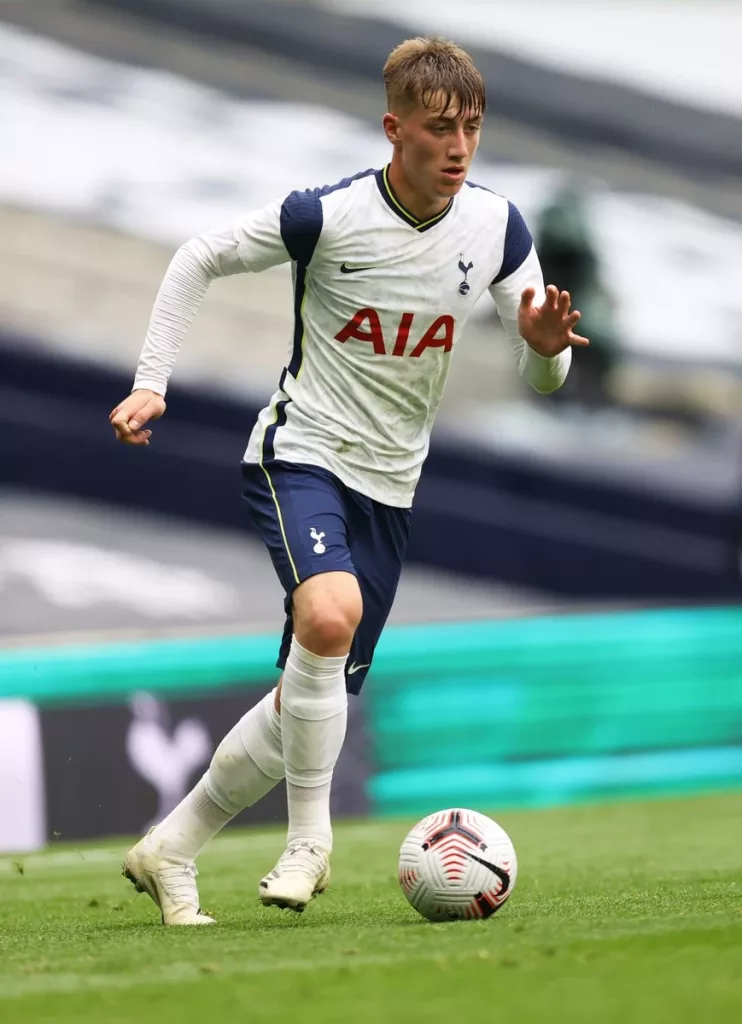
(246, 765)
(188, 828)
(314, 713)
(248, 762)
(309, 813)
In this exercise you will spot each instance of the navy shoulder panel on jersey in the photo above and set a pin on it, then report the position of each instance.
(344, 182)
(302, 218)
(473, 184)
(518, 244)
(301, 224)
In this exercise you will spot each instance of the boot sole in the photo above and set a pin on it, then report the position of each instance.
(298, 906)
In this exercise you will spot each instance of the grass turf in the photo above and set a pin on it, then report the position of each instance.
(627, 913)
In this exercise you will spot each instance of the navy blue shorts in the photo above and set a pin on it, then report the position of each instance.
(312, 523)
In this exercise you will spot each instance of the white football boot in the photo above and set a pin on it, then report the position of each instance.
(171, 883)
(302, 872)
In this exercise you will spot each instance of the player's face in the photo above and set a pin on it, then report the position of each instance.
(436, 146)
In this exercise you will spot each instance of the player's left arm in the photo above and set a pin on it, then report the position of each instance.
(537, 320)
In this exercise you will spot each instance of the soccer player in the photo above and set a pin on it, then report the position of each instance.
(387, 266)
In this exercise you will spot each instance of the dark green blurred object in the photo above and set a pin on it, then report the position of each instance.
(569, 260)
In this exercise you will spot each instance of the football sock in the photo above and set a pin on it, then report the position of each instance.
(246, 765)
(314, 714)
(187, 829)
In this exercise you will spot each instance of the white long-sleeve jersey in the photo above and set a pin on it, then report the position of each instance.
(380, 301)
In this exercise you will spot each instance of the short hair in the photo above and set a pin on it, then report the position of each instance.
(420, 69)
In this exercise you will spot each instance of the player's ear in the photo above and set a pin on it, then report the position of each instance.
(391, 125)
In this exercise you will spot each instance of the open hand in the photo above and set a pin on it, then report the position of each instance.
(548, 328)
(128, 418)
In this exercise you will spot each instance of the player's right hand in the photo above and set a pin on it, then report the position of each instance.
(130, 417)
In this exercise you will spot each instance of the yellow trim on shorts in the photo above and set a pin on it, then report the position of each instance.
(275, 501)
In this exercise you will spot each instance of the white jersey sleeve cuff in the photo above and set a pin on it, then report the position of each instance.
(544, 374)
(143, 384)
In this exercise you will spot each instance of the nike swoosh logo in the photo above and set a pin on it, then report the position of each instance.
(499, 872)
(345, 269)
(352, 669)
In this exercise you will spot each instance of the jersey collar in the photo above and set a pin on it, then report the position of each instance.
(389, 196)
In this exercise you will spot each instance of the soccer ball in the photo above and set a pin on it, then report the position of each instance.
(457, 864)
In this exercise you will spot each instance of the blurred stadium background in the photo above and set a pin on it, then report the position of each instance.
(568, 626)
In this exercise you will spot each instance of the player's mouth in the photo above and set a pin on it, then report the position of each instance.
(454, 173)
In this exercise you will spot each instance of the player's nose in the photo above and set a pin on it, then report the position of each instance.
(458, 148)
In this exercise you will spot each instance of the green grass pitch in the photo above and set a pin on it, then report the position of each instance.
(628, 912)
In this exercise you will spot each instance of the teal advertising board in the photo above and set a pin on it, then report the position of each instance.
(511, 712)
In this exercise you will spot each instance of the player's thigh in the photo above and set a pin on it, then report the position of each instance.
(299, 514)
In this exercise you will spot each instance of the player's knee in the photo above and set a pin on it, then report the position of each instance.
(327, 610)
(327, 630)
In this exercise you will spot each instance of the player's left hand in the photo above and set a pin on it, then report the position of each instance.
(548, 328)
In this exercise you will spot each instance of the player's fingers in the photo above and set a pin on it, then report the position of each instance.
(572, 319)
(132, 404)
(552, 293)
(120, 424)
(578, 340)
(564, 300)
(527, 297)
(125, 412)
(123, 430)
(150, 409)
(141, 437)
(117, 412)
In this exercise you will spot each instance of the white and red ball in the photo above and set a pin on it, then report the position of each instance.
(457, 865)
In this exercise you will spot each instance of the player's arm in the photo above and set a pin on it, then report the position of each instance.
(538, 321)
(252, 244)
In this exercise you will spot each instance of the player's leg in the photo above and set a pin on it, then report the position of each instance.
(377, 539)
(246, 765)
(326, 610)
(301, 515)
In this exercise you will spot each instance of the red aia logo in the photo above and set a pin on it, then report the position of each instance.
(366, 326)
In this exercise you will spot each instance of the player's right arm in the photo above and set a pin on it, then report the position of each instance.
(254, 243)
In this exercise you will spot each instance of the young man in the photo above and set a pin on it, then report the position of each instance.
(387, 266)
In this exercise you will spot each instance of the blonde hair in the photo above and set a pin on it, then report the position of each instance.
(421, 69)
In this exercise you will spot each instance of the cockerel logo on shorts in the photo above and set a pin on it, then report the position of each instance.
(319, 548)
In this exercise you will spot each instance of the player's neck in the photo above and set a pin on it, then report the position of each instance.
(419, 206)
